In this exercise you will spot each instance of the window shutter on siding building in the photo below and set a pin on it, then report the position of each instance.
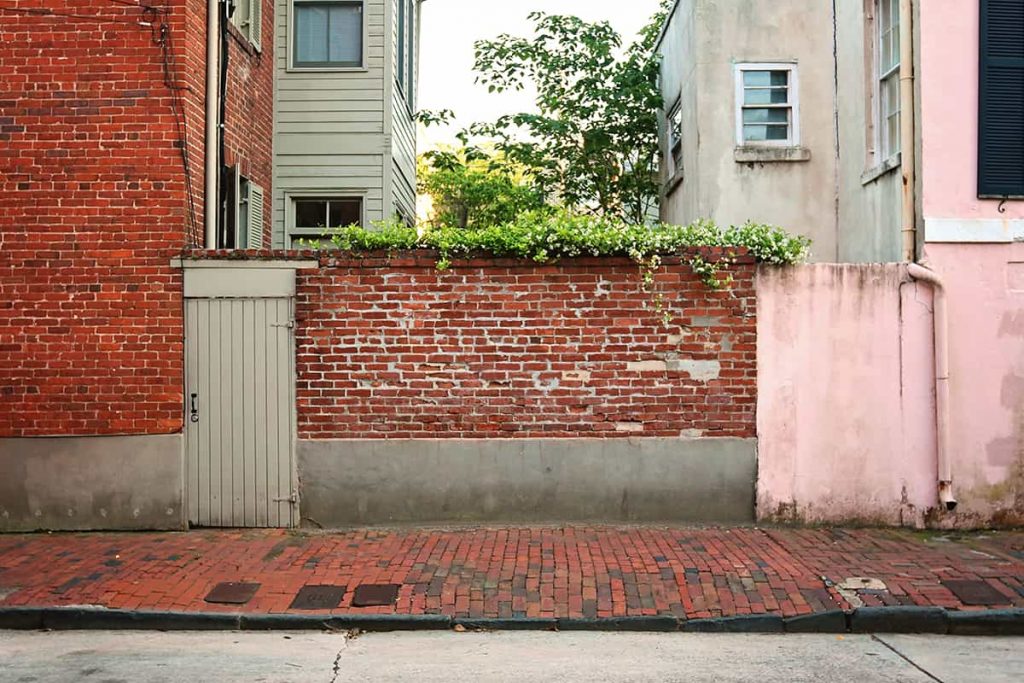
(1001, 107)
(255, 216)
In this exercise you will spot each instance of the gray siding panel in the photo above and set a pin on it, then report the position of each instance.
(329, 125)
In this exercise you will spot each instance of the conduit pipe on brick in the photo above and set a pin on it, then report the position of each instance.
(908, 159)
(941, 333)
(210, 201)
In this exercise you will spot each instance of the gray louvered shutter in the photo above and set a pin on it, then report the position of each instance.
(256, 23)
(1001, 106)
(255, 216)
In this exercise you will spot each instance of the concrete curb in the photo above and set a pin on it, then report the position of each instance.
(1001, 622)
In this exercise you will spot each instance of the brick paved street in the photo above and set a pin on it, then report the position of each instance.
(517, 571)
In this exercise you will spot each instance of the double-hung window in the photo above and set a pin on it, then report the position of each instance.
(674, 141)
(887, 89)
(327, 34)
(315, 216)
(767, 108)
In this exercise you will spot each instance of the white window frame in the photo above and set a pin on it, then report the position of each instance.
(292, 66)
(675, 172)
(793, 104)
(242, 19)
(293, 233)
(885, 149)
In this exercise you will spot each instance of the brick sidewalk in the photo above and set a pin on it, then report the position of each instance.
(518, 571)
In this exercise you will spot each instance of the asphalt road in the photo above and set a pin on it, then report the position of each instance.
(115, 657)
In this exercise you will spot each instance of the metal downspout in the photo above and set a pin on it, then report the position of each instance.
(212, 198)
(907, 140)
(941, 317)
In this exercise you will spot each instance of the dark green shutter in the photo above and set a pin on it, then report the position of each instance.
(1001, 107)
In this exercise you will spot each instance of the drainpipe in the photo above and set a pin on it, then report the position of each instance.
(907, 143)
(941, 322)
(212, 200)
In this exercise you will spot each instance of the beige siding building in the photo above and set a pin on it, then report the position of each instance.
(344, 135)
(771, 115)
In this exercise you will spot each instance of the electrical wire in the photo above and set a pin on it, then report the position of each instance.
(181, 129)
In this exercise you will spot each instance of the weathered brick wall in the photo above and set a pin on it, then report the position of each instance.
(94, 205)
(490, 348)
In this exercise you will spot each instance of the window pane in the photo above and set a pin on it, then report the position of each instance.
(893, 132)
(765, 79)
(780, 115)
(310, 34)
(763, 133)
(345, 212)
(766, 96)
(311, 213)
(346, 35)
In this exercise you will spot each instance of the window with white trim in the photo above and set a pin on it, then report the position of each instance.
(674, 141)
(767, 105)
(327, 34)
(246, 16)
(314, 216)
(887, 84)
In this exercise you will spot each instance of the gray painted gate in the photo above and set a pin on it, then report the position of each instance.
(239, 415)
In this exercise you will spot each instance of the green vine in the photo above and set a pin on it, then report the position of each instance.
(544, 237)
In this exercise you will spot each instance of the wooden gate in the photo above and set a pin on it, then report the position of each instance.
(239, 412)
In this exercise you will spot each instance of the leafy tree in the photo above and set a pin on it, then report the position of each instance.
(593, 143)
(472, 187)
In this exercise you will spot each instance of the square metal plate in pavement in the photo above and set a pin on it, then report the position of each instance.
(318, 597)
(375, 594)
(231, 593)
(975, 592)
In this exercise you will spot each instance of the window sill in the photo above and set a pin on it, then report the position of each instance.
(243, 41)
(872, 174)
(327, 69)
(672, 184)
(767, 155)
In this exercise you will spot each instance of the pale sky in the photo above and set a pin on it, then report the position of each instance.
(449, 28)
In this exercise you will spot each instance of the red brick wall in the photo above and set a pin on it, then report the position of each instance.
(249, 118)
(94, 206)
(504, 349)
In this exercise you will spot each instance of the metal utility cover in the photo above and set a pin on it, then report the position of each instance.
(318, 597)
(975, 592)
(231, 593)
(375, 595)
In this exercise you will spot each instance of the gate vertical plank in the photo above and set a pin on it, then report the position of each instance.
(192, 370)
(238, 401)
(225, 442)
(285, 354)
(249, 411)
(206, 401)
(212, 411)
(261, 330)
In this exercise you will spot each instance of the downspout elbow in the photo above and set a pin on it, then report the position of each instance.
(942, 410)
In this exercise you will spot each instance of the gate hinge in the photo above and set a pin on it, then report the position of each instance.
(293, 499)
(290, 324)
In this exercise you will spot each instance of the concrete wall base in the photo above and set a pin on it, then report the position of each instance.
(91, 483)
(360, 482)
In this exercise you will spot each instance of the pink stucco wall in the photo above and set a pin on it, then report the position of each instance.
(846, 410)
(985, 285)
(845, 399)
(948, 80)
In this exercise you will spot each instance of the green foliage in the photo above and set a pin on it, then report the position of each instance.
(472, 188)
(547, 236)
(593, 143)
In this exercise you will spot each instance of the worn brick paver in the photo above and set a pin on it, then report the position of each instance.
(575, 571)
